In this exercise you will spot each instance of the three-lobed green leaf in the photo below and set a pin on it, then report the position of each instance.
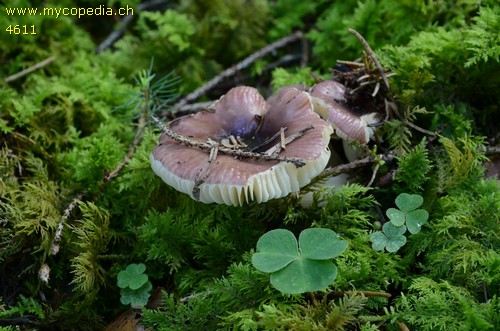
(408, 214)
(133, 276)
(298, 267)
(321, 244)
(304, 275)
(408, 202)
(275, 250)
(391, 238)
(136, 298)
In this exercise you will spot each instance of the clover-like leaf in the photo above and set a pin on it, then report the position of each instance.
(299, 267)
(408, 202)
(396, 216)
(416, 219)
(275, 250)
(379, 240)
(391, 238)
(304, 275)
(136, 298)
(133, 276)
(321, 244)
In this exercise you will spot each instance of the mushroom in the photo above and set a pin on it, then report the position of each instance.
(261, 131)
(349, 123)
(352, 124)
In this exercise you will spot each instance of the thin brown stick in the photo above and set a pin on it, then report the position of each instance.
(207, 146)
(200, 179)
(402, 326)
(365, 293)
(351, 166)
(131, 150)
(279, 146)
(374, 174)
(122, 26)
(33, 143)
(54, 249)
(390, 106)
(268, 140)
(370, 52)
(241, 65)
(29, 70)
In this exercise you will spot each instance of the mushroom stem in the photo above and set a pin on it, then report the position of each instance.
(207, 146)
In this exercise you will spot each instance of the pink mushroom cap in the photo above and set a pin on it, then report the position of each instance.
(330, 103)
(244, 113)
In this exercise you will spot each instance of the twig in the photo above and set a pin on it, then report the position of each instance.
(192, 108)
(34, 144)
(391, 106)
(268, 140)
(402, 326)
(207, 146)
(118, 33)
(305, 53)
(365, 293)
(131, 150)
(29, 70)
(422, 130)
(241, 65)
(201, 179)
(374, 174)
(491, 150)
(280, 145)
(370, 52)
(349, 167)
(60, 226)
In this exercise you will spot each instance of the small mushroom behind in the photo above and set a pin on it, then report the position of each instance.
(244, 115)
(350, 124)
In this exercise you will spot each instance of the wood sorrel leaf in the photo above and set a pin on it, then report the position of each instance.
(136, 298)
(379, 240)
(396, 216)
(295, 270)
(395, 236)
(416, 219)
(132, 277)
(392, 238)
(321, 244)
(408, 202)
(275, 250)
(304, 275)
